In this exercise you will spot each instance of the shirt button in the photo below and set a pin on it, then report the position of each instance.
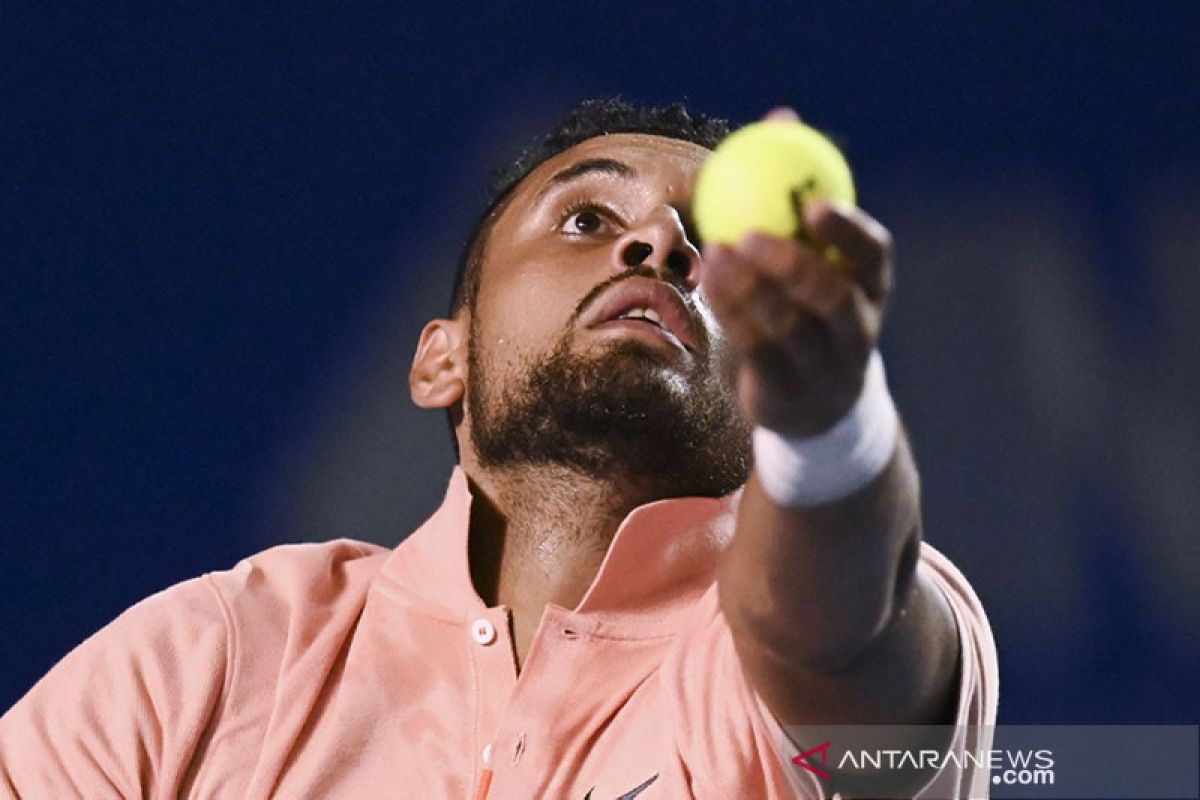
(487, 754)
(483, 631)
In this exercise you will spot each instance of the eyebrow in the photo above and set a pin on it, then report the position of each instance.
(589, 166)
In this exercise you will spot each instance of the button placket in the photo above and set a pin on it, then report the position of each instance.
(490, 651)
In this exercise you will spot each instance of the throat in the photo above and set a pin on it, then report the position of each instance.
(539, 536)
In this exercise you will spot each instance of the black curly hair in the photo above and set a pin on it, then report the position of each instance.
(589, 119)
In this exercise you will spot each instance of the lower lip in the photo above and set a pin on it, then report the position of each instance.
(644, 329)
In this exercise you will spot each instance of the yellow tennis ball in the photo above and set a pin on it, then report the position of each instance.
(759, 178)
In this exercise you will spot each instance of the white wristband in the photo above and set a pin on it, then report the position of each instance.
(839, 462)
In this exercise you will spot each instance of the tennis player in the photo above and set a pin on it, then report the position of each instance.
(683, 529)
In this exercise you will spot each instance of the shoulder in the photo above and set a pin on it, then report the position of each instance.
(125, 707)
(194, 625)
(198, 633)
(301, 574)
(129, 706)
(280, 588)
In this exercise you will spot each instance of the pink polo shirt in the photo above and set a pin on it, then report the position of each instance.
(347, 670)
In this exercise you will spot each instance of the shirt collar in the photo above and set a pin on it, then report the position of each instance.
(663, 556)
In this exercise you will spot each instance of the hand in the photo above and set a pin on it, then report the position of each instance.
(802, 319)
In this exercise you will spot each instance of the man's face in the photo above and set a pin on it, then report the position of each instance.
(556, 376)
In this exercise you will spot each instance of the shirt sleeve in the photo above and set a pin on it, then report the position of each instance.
(122, 714)
(979, 683)
(734, 746)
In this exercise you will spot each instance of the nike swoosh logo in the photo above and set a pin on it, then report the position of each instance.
(632, 793)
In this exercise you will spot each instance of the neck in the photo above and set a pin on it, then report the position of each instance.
(539, 533)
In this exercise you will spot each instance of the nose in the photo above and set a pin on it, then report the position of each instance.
(661, 243)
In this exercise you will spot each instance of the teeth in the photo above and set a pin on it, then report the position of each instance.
(648, 314)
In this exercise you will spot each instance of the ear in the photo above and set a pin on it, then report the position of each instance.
(438, 375)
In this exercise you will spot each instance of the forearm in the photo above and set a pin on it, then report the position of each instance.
(821, 584)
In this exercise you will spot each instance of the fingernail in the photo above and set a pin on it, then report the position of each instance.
(816, 208)
(782, 114)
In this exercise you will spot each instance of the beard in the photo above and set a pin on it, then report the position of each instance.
(625, 411)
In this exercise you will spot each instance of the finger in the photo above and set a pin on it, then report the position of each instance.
(816, 311)
(803, 276)
(865, 243)
(854, 325)
(751, 308)
(782, 114)
(852, 318)
(725, 276)
(780, 284)
(776, 254)
(746, 308)
(784, 258)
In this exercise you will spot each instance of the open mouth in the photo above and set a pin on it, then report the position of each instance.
(645, 325)
(649, 307)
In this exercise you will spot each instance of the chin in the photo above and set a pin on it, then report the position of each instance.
(633, 352)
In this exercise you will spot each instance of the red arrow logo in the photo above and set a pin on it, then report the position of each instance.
(801, 761)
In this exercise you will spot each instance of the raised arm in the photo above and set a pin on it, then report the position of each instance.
(832, 621)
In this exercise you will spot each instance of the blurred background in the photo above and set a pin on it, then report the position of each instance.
(223, 230)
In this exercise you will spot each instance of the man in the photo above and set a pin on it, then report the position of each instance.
(610, 602)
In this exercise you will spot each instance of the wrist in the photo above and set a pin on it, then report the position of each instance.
(821, 469)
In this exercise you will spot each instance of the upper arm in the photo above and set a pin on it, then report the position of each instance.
(724, 726)
(968, 702)
(121, 714)
(906, 677)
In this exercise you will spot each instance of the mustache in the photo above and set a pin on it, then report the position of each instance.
(633, 272)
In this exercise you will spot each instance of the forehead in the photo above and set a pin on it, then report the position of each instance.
(673, 162)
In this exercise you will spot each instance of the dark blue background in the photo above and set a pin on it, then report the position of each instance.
(210, 218)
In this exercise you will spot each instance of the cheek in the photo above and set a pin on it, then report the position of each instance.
(519, 321)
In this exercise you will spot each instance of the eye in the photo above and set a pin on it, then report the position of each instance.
(586, 219)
